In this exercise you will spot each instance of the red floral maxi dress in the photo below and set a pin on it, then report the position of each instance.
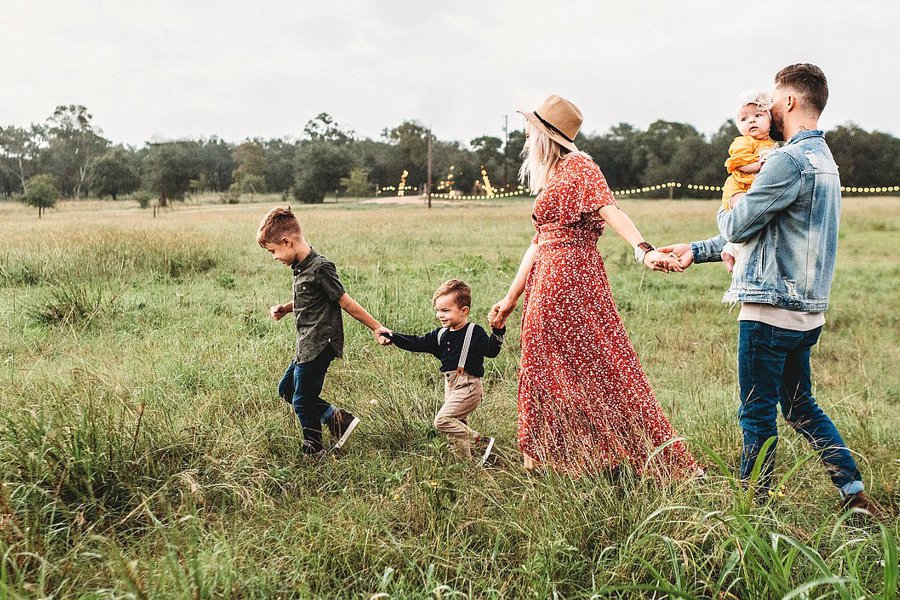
(584, 401)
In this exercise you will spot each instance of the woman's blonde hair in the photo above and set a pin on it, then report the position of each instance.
(541, 155)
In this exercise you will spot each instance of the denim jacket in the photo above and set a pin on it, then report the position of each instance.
(788, 225)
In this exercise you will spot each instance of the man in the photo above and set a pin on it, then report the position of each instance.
(788, 223)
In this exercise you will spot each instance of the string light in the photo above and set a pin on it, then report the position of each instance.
(401, 189)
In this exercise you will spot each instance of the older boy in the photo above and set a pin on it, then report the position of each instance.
(461, 347)
(317, 303)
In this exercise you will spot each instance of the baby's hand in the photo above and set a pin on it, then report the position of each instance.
(765, 154)
(728, 259)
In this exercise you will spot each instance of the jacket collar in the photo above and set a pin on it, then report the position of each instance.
(802, 135)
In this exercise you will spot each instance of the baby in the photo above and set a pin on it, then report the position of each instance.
(747, 154)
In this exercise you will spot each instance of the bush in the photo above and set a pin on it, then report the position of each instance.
(143, 198)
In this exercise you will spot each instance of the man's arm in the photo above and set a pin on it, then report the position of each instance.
(773, 190)
(708, 250)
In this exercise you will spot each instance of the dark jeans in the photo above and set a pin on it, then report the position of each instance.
(301, 387)
(773, 368)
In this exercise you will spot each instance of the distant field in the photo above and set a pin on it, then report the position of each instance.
(144, 452)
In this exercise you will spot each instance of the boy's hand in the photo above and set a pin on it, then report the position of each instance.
(380, 336)
(728, 260)
(278, 311)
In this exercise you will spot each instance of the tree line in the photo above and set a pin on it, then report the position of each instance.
(68, 156)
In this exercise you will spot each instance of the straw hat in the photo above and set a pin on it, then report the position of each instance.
(559, 119)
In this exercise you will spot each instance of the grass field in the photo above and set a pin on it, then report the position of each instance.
(144, 453)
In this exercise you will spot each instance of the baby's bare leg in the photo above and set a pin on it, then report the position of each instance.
(735, 199)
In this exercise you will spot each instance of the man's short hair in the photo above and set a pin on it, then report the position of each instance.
(462, 293)
(278, 223)
(808, 80)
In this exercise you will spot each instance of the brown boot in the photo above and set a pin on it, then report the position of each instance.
(861, 501)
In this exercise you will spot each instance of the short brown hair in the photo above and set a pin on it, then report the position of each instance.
(462, 293)
(808, 80)
(277, 224)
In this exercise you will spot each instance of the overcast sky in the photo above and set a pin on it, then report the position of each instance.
(264, 68)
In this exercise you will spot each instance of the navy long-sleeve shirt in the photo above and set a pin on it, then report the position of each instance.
(449, 349)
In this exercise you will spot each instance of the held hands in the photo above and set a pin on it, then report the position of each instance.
(380, 337)
(658, 260)
(500, 313)
(682, 253)
(278, 311)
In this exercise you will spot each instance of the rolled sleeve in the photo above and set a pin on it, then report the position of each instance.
(708, 250)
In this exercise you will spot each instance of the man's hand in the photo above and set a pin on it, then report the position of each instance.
(500, 312)
(380, 336)
(728, 259)
(279, 310)
(682, 252)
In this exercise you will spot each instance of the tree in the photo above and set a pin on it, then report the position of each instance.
(42, 193)
(410, 142)
(215, 164)
(250, 162)
(319, 167)
(115, 173)
(488, 150)
(73, 142)
(169, 169)
(279, 169)
(19, 148)
(325, 129)
(357, 184)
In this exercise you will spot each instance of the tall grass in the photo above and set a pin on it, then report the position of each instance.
(144, 453)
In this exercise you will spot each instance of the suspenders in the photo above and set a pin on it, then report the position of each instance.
(467, 342)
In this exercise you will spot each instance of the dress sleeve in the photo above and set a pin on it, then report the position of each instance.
(586, 192)
(740, 153)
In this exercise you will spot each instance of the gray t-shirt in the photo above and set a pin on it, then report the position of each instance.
(317, 289)
(795, 320)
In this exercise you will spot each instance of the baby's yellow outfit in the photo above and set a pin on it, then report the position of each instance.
(744, 150)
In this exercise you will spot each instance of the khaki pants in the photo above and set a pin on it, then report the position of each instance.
(462, 395)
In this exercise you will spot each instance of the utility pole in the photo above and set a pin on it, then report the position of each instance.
(428, 184)
(506, 150)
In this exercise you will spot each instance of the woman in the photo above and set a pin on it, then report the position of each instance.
(585, 404)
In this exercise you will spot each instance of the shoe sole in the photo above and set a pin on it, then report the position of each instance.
(347, 433)
(487, 452)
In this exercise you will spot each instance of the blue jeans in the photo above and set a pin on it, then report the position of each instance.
(301, 387)
(773, 368)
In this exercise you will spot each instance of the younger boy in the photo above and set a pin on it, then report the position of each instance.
(317, 302)
(461, 347)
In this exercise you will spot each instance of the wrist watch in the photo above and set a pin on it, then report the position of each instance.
(641, 251)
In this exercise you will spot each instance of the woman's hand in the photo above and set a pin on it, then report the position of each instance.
(659, 261)
(500, 312)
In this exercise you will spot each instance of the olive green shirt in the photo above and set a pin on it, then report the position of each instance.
(317, 289)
